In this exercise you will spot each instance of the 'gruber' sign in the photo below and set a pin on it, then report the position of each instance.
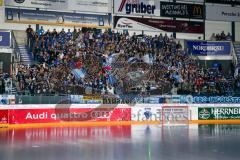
(219, 113)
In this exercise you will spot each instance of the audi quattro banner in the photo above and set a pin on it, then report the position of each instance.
(25, 16)
(5, 39)
(137, 7)
(100, 6)
(158, 25)
(49, 115)
(222, 13)
(182, 10)
(207, 48)
(235, 2)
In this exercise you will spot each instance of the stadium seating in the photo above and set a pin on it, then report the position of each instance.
(109, 62)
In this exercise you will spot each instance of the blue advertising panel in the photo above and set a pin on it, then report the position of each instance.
(27, 16)
(208, 48)
(5, 39)
(216, 99)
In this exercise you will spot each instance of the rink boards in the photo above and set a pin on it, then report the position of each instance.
(117, 114)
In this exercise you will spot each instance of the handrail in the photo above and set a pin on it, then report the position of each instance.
(234, 54)
(15, 47)
(16, 52)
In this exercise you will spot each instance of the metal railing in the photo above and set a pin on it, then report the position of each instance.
(15, 47)
(235, 59)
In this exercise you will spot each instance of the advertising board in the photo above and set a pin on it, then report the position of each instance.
(219, 113)
(5, 39)
(146, 113)
(206, 48)
(235, 2)
(27, 16)
(158, 25)
(48, 115)
(137, 7)
(222, 13)
(182, 10)
(99, 6)
(3, 116)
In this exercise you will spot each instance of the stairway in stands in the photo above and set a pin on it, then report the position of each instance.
(237, 50)
(25, 56)
(21, 39)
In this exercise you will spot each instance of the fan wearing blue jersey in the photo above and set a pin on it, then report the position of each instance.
(69, 35)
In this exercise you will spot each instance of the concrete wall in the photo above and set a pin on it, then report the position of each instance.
(237, 27)
(6, 59)
(217, 27)
(20, 36)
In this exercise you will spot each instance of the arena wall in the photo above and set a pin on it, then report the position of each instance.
(98, 114)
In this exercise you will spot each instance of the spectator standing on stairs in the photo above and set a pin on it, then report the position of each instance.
(29, 32)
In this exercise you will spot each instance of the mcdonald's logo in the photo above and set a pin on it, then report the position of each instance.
(197, 11)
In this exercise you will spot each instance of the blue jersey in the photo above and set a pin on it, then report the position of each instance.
(40, 32)
(69, 35)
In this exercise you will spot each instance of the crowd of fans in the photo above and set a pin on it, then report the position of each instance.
(114, 63)
(5, 83)
(221, 37)
(170, 68)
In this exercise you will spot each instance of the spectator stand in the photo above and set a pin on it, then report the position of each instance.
(77, 62)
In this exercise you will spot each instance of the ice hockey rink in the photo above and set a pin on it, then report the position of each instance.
(137, 142)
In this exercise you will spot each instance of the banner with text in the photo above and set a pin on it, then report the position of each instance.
(219, 113)
(235, 2)
(182, 10)
(3, 116)
(137, 7)
(25, 16)
(207, 48)
(97, 6)
(158, 25)
(147, 113)
(5, 39)
(222, 13)
(48, 115)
